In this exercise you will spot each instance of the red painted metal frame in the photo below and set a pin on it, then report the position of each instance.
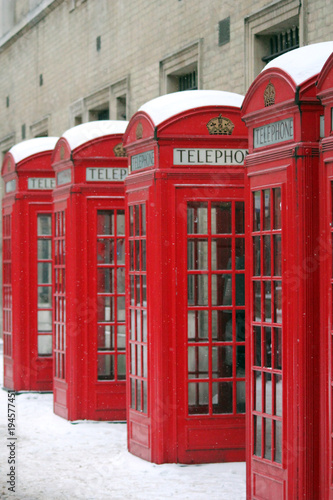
(293, 166)
(78, 392)
(24, 368)
(325, 93)
(160, 429)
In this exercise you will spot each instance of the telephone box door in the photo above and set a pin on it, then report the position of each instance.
(210, 324)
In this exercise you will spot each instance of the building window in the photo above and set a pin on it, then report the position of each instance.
(40, 128)
(224, 31)
(181, 70)
(281, 43)
(98, 43)
(102, 113)
(23, 131)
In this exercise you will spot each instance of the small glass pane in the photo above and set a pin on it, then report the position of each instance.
(240, 326)
(222, 326)
(197, 291)
(277, 255)
(267, 212)
(277, 301)
(197, 218)
(121, 367)
(278, 395)
(256, 210)
(240, 397)
(222, 397)
(240, 289)
(268, 438)
(121, 280)
(44, 297)
(144, 361)
(198, 398)
(132, 391)
(138, 361)
(221, 253)
(240, 361)
(44, 273)
(44, 345)
(197, 326)
(105, 222)
(268, 393)
(221, 289)
(221, 218)
(268, 301)
(121, 337)
(105, 309)
(268, 347)
(222, 361)
(256, 256)
(257, 300)
(44, 225)
(137, 254)
(105, 367)
(105, 280)
(197, 362)
(137, 220)
(44, 321)
(278, 348)
(258, 391)
(131, 217)
(133, 331)
(143, 255)
(44, 249)
(144, 396)
(120, 251)
(138, 290)
(121, 315)
(257, 345)
(144, 291)
(121, 222)
(267, 255)
(133, 359)
(105, 251)
(138, 326)
(277, 208)
(240, 253)
(143, 220)
(278, 442)
(105, 337)
(257, 422)
(239, 217)
(144, 326)
(197, 254)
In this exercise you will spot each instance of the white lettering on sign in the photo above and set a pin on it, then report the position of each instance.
(203, 156)
(11, 186)
(41, 183)
(273, 133)
(142, 160)
(64, 177)
(106, 174)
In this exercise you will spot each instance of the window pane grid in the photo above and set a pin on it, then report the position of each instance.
(138, 310)
(7, 284)
(215, 290)
(44, 285)
(59, 295)
(110, 295)
(267, 325)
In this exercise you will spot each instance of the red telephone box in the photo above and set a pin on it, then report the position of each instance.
(89, 272)
(325, 93)
(185, 287)
(27, 265)
(283, 115)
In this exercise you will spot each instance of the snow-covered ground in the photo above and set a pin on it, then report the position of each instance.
(57, 460)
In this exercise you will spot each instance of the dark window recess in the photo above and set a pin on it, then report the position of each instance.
(188, 81)
(23, 132)
(98, 43)
(41, 80)
(282, 42)
(7, 101)
(103, 114)
(224, 31)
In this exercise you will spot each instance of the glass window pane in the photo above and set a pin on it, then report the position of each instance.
(198, 398)
(121, 367)
(278, 348)
(222, 397)
(267, 255)
(240, 361)
(120, 251)
(197, 291)
(138, 361)
(221, 289)
(144, 326)
(197, 362)
(240, 326)
(278, 395)
(222, 361)
(105, 222)
(138, 395)
(221, 254)
(144, 361)
(197, 254)
(121, 309)
(268, 347)
(44, 345)
(132, 392)
(105, 367)
(44, 273)
(44, 225)
(137, 254)
(257, 345)
(143, 220)
(144, 396)
(121, 222)
(257, 300)
(133, 330)
(197, 218)
(277, 208)
(268, 438)
(137, 220)
(121, 337)
(240, 397)
(105, 337)
(268, 393)
(131, 217)
(256, 256)
(138, 325)
(44, 297)
(278, 301)
(44, 249)
(105, 251)
(239, 217)
(240, 253)
(44, 321)
(121, 280)
(257, 422)
(240, 289)
(221, 218)
(278, 442)
(222, 326)
(197, 325)
(105, 280)
(143, 255)
(277, 255)
(105, 309)
(267, 212)
(268, 301)
(256, 210)
(133, 359)
(258, 391)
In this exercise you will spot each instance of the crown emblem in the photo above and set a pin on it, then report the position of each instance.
(269, 95)
(119, 150)
(139, 131)
(220, 126)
